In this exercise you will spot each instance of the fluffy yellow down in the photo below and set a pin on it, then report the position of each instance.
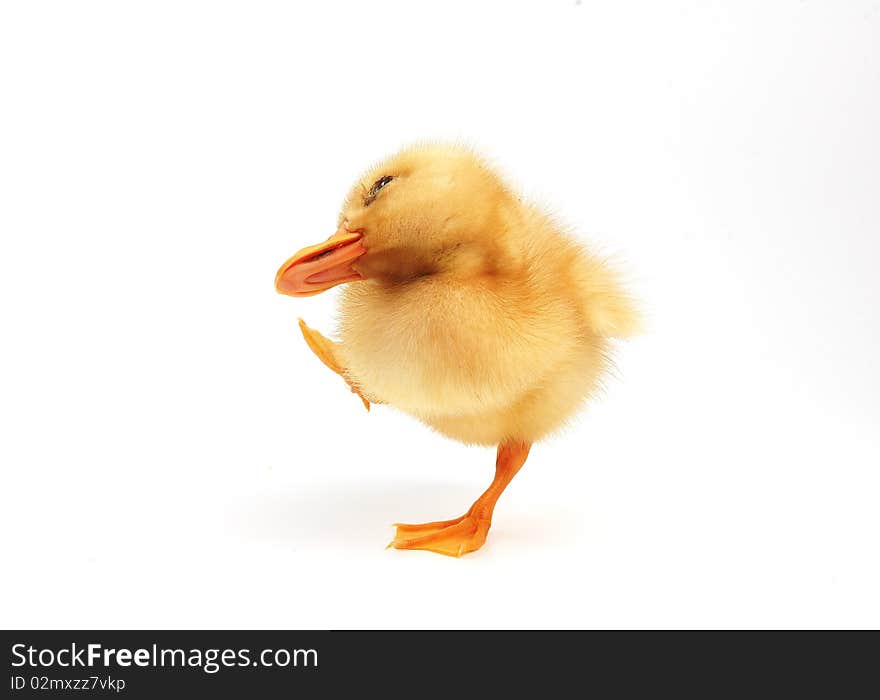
(479, 316)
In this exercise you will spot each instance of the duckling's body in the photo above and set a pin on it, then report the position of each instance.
(508, 354)
(476, 315)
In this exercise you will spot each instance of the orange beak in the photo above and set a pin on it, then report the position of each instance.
(319, 267)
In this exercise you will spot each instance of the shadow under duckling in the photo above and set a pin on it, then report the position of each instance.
(464, 307)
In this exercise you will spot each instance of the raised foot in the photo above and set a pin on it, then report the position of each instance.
(323, 349)
(450, 537)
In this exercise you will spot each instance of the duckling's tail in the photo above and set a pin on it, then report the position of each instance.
(610, 311)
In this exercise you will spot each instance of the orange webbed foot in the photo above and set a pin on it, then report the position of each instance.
(450, 537)
(467, 533)
(324, 350)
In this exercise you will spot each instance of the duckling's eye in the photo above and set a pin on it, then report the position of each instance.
(374, 190)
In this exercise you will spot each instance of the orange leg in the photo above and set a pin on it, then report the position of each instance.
(467, 533)
(324, 349)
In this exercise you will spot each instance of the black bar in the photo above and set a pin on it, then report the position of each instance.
(319, 663)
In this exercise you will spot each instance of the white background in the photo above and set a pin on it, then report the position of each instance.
(174, 456)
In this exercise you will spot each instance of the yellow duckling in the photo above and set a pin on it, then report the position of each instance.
(467, 308)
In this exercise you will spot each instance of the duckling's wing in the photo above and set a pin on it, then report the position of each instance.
(324, 348)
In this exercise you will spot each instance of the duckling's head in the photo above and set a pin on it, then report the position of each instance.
(430, 209)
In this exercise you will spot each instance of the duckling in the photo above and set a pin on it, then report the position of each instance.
(464, 307)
